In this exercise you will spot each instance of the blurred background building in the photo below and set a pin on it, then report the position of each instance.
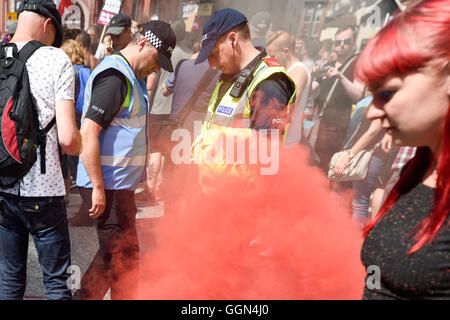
(302, 18)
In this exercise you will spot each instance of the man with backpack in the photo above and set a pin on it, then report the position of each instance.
(37, 109)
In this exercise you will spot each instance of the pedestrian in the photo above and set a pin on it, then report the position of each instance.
(254, 92)
(366, 136)
(281, 46)
(192, 86)
(338, 91)
(184, 83)
(120, 30)
(409, 76)
(117, 36)
(159, 117)
(94, 33)
(260, 25)
(11, 27)
(35, 204)
(76, 55)
(114, 128)
(84, 41)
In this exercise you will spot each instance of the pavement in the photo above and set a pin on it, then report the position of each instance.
(84, 244)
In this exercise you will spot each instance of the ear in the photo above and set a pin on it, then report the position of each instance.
(233, 37)
(141, 44)
(47, 37)
(47, 24)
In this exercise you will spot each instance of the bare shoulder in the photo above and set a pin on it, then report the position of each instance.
(299, 71)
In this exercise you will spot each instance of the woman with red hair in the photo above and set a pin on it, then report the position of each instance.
(406, 67)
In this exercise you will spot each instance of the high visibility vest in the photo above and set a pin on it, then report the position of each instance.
(123, 144)
(229, 120)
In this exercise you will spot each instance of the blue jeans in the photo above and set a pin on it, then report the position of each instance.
(363, 188)
(45, 219)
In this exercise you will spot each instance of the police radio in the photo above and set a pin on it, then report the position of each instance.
(241, 83)
(244, 79)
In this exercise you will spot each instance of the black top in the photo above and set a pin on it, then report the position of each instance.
(424, 274)
(339, 107)
(275, 93)
(108, 94)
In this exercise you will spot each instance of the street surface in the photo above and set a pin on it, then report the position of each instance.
(84, 243)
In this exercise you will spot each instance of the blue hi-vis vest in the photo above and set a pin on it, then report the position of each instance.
(123, 145)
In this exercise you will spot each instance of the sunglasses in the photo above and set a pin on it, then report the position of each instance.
(347, 42)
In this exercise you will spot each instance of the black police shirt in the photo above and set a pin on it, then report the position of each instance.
(269, 103)
(108, 94)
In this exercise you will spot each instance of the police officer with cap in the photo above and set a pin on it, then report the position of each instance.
(112, 164)
(253, 93)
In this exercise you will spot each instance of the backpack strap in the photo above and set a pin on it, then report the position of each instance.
(28, 50)
(24, 54)
(208, 76)
(77, 83)
(43, 142)
(345, 66)
(177, 68)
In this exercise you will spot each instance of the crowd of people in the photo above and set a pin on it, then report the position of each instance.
(117, 101)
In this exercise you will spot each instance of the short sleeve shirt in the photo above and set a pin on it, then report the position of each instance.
(52, 79)
(108, 94)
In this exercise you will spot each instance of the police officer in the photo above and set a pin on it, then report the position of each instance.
(253, 93)
(114, 127)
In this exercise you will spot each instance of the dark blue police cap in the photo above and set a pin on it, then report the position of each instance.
(220, 22)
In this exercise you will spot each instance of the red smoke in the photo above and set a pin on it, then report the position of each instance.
(292, 242)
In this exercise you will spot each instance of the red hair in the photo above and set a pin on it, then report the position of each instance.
(417, 37)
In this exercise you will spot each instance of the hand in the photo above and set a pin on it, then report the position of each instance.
(98, 203)
(109, 49)
(108, 44)
(341, 165)
(386, 143)
(333, 72)
(150, 183)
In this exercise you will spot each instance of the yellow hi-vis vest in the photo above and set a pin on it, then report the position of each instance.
(229, 120)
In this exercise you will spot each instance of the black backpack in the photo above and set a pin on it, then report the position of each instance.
(19, 124)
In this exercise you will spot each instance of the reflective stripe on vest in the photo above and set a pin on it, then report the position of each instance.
(122, 161)
(123, 144)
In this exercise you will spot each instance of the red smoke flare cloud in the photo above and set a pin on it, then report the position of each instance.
(293, 241)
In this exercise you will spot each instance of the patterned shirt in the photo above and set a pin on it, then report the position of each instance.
(51, 79)
(403, 156)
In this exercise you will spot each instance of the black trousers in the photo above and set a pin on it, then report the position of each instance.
(116, 263)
